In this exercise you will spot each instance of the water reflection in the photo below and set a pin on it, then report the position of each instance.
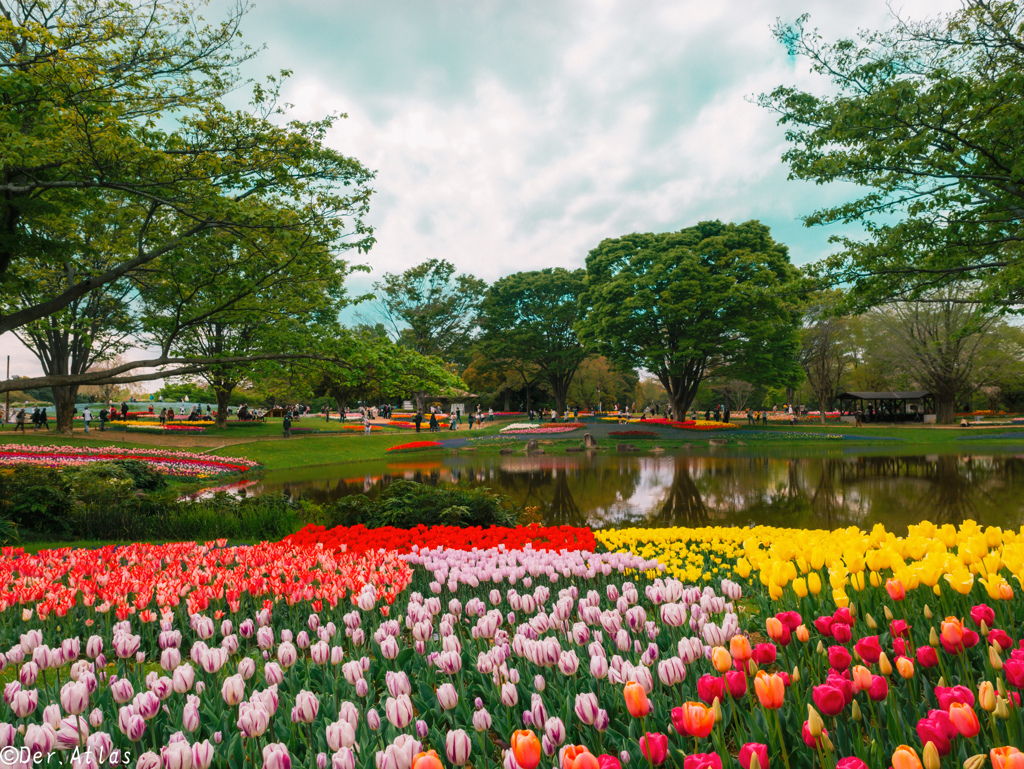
(603, 490)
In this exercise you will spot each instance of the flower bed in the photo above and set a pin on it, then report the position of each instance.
(156, 427)
(360, 538)
(339, 430)
(415, 446)
(222, 654)
(175, 463)
(528, 428)
(633, 434)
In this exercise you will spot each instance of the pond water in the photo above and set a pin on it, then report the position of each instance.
(828, 488)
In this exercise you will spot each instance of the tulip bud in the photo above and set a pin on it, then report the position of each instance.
(888, 614)
(755, 762)
(1001, 687)
(752, 667)
(983, 629)
(933, 638)
(1002, 711)
(821, 648)
(872, 625)
(884, 666)
(976, 761)
(930, 756)
(855, 712)
(994, 658)
(814, 723)
(942, 681)
(853, 610)
(927, 611)
(987, 696)
(796, 674)
(717, 707)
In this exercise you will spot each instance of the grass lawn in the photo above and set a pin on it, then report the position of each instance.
(264, 442)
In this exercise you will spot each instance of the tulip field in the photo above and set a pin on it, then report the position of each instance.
(520, 648)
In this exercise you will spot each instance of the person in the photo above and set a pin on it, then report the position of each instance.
(417, 420)
(458, 416)
(764, 418)
(470, 417)
(163, 416)
(20, 421)
(45, 419)
(727, 413)
(707, 415)
(366, 422)
(151, 407)
(434, 426)
(327, 413)
(453, 423)
(35, 418)
(86, 418)
(287, 424)
(124, 411)
(490, 415)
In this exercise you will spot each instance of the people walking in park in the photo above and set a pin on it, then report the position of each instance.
(417, 420)
(470, 417)
(287, 424)
(490, 415)
(44, 419)
(124, 410)
(20, 421)
(366, 422)
(86, 418)
(163, 416)
(434, 427)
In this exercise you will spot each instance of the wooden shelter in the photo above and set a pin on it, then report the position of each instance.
(909, 406)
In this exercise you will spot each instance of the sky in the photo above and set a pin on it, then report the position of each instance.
(510, 136)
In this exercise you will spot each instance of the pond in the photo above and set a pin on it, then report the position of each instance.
(830, 488)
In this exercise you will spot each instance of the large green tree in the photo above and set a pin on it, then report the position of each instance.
(714, 298)
(532, 316)
(928, 118)
(127, 99)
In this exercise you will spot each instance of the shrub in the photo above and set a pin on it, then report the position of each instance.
(37, 499)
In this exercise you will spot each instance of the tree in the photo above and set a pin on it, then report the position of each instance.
(948, 348)
(600, 382)
(431, 309)
(714, 298)
(125, 102)
(928, 116)
(824, 348)
(531, 316)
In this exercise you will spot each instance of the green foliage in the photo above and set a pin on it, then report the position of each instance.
(37, 498)
(716, 299)
(405, 504)
(927, 118)
(144, 477)
(531, 317)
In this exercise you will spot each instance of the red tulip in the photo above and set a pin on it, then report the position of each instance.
(879, 688)
(947, 695)
(983, 613)
(851, 762)
(1000, 637)
(898, 628)
(809, 739)
(694, 719)
(839, 658)
(1013, 669)
(927, 657)
(702, 761)
(606, 761)
(754, 749)
(790, 619)
(765, 654)
(709, 687)
(654, 746)
(841, 632)
(824, 625)
(869, 649)
(899, 647)
(941, 717)
(843, 615)
(736, 683)
(843, 684)
(829, 699)
(930, 731)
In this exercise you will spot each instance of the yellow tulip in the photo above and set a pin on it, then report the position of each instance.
(800, 587)
(814, 582)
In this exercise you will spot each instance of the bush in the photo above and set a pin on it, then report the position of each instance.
(143, 474)
(37, 498)
(405, 504)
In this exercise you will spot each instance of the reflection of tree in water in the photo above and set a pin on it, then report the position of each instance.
(574, 493)
(683, 504)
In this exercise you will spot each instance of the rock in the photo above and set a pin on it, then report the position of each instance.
(686, 446)
(546, 443)
(453, 453)
(623, 448)
(740, 443)
(535, 452)
(506, 451)
(657, 450)
(575, 450)
(718, 442)
(589, 441)
(531, 444)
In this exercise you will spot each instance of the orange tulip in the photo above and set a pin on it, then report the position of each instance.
(771, 690)
(905, 666)
(721, 659)
(427, 760)
(1005, 591)
(987, 696)
(776, 630)
(525, 748)
(739, 646)
(905, 757)
(578, 757)
(693, 718)
(952, 631)
(803, 635)
(636, 700)
(895, 589)
(1006, 758)
(861, 678)
(964, 719)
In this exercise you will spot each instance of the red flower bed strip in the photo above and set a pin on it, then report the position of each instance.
(360, 539)
(415, 445)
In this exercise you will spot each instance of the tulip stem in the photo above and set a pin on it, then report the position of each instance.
(782, 741)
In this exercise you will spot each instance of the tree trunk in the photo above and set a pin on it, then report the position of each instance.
(821, 406)
(945, 409)
(508, 393)
(223, 393)
(64, 407)
(420, 398)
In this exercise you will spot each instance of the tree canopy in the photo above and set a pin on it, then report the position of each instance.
(929, 117)
(714, 298)
(532, 316)
(121, 106)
